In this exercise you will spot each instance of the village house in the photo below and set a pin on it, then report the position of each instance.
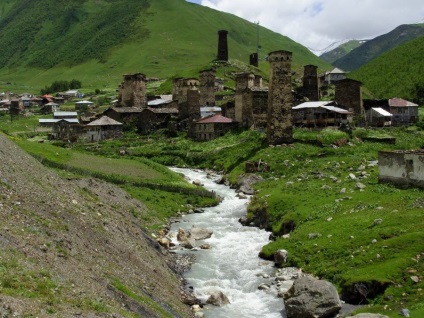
(64, 125)
(403, 112)
(212, 127)
(320, 114)
(152, 119)
(129, 116)
(49, 108)
(330, 77)
(401, 168)
(103, 128)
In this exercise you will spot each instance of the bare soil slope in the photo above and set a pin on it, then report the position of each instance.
(73, 248)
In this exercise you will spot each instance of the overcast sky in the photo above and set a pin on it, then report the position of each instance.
(319, 24)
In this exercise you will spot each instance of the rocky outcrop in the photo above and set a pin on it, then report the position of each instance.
(280, 257)
(312, 298)
(246, 181)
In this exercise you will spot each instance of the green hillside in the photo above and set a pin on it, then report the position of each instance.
(379, 45)
(341, 50)
(398, 73)
(96, 41)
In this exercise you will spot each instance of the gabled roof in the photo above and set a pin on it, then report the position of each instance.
(55, 121)
(313, 104)
(381, 111)
(67, 114)
(215, 119)
(399, 102)
(328, 105)
(84, 102)
(104, 121)
(159, 101)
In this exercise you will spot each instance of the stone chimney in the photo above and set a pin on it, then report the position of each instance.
(310, 82)
(280, 100)
(222, 45)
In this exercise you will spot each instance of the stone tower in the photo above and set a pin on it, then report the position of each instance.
(280, 100)
(253, 59)
(132, 91)
(310, 82)
(207, 88)
(244, 81)
(349, 95)
(222, 45)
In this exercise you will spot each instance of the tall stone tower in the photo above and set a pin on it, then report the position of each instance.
(349, 95)
(253, 59)
(280, 100)
(207, 88)
(132, 91)
(310, 82)
(222, 45)
(244, 81)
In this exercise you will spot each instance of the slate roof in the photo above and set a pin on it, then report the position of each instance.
(399, 102)
(104, 121)
(215, 119)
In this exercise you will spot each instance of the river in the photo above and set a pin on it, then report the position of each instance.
(232, 264)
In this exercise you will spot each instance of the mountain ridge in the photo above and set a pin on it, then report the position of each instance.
(172, 37)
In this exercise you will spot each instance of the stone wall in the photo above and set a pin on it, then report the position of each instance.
(349, 95)
(244, 81)
(280, 99)
(132, 91)
(402, 168)
(310, 82)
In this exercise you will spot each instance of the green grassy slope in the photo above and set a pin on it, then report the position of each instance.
(395, 73)
(379, 45)
(97, 41)
(341, 50)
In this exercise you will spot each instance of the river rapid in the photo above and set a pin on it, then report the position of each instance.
(232, 265)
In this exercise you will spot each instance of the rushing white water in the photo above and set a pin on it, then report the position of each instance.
(232, 265)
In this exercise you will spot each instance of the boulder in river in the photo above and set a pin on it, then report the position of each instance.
(218, 299)
(312, 298)
(200, 233)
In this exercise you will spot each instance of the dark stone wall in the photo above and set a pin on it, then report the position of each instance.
(349, 95)
(280, 99)
(132, 91)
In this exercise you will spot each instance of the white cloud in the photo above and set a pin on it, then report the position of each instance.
(319, 23)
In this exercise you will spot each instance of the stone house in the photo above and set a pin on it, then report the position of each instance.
(83, 105)
(402, 168)
(103, 128)
(251, 101)
(129, 116)
(212, 127)
(336, 74)
(320, 114)
(152, 119)
(349, 94)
